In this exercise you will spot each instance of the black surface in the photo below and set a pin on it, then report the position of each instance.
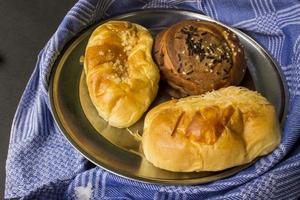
(25, 27)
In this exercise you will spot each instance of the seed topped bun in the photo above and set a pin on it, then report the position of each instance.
(199, 56)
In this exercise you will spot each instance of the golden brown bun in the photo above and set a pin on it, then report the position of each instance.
(215, 131)
(121, 77)
(199, 56)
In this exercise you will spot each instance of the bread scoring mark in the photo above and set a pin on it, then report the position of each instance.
(163, 123)
(177, 123)
(208, 124)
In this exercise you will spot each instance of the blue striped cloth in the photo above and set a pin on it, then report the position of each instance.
(41, 164)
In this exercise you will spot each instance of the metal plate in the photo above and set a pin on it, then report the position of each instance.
(116, 150)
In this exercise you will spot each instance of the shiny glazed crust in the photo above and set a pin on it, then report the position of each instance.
(215, 131)
(121, 77)
(199, 56)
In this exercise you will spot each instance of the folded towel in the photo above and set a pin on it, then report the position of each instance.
(41, 164)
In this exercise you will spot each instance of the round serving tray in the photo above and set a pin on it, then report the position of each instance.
(116, 150)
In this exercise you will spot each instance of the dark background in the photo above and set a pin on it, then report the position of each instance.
(25, 27)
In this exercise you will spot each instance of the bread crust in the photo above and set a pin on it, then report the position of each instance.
(121, 76)
(211, 132)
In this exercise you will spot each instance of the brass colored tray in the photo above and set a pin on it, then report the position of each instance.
(115, 149)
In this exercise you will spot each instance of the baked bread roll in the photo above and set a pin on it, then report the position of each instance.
(121, 76)
(199, 56)
(215, 131)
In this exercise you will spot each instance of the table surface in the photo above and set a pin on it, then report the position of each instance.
(26, 26)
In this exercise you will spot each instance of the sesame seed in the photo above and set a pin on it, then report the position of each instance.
(210, 70)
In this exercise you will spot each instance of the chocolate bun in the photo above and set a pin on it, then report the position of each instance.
(199, 56)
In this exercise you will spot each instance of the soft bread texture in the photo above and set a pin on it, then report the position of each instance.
(215, 131)
(197, 56)
(121, 77)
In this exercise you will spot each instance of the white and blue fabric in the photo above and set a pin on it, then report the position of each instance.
(41, 164)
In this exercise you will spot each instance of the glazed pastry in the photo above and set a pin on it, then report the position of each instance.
(218, 130)
(199, 56)
(122, 79)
